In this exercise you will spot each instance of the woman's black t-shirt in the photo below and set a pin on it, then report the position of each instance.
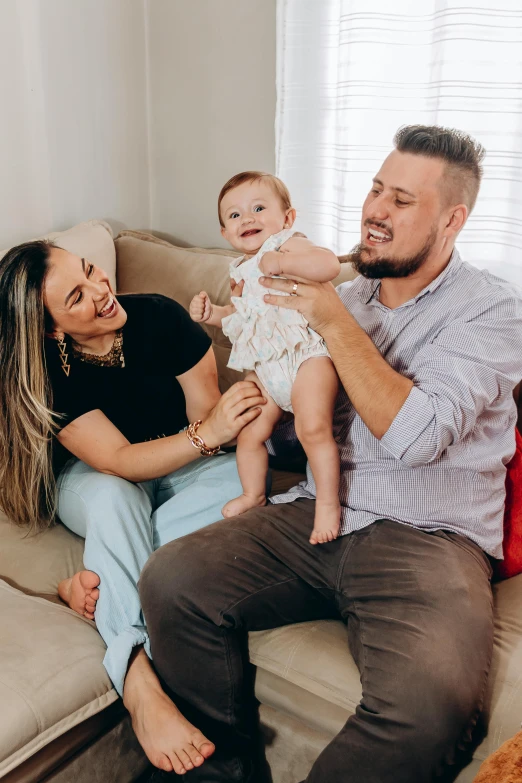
(143, 399)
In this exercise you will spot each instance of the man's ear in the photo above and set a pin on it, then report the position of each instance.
(457, 218)
(290, 217)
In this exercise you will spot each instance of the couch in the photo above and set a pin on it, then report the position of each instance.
(62, 721)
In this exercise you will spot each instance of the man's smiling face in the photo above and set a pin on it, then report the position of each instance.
(402, 217)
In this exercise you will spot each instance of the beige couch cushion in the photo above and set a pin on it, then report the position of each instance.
(151, 265)
(307, 671)
(43, 695)
(147, 264)
(92, 240)
(37, 563)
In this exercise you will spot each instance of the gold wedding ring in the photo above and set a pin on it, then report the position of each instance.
(294, 289)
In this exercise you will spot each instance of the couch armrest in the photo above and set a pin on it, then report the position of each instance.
(51, 674)
(37, 563)
(503, 707)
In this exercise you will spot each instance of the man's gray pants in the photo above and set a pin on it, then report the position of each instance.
(419, 614)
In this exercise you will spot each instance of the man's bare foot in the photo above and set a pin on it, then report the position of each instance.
(241, 504)
(168, 739)
(81, 592)
(326, 523)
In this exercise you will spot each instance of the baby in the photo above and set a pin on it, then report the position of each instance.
(287, 359)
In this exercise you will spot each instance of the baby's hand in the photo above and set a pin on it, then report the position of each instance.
(236, 289)
(270, 263)
(200, 308)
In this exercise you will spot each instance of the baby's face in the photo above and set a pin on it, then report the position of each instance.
(252, 212)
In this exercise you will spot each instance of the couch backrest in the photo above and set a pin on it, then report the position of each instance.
(151, 265)
(92, 240)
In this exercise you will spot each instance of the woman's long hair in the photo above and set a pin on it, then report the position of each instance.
(27, 483)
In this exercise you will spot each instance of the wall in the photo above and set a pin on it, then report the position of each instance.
(135, 111)
(212, 106)
(73, 134)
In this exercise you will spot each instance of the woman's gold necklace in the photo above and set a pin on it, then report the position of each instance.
(114, 358)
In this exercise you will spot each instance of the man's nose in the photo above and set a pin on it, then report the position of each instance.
(377, 210)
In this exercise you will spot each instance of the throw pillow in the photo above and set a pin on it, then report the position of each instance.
(512, 563)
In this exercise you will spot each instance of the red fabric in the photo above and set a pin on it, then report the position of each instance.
(512, 563)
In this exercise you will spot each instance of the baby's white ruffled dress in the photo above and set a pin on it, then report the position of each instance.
(272, 341)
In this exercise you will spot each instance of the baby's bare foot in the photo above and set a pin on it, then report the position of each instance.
(241, 504)
(326, 523)
(169, 740)
(81, 592)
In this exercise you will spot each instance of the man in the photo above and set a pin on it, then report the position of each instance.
(428, 350)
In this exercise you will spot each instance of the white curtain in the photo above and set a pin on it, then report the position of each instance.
(351, 72)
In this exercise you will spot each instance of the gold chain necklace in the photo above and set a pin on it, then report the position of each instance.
(114, 358)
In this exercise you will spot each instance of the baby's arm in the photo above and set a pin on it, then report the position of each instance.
(300, 257)
(202, 310)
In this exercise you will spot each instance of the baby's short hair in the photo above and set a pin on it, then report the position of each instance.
(277, 185)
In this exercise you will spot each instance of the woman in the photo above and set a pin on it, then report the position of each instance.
(96, 393)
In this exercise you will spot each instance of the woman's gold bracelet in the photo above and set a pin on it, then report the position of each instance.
(198, 442)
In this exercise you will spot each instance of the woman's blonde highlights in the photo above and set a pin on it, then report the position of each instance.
(27, 422)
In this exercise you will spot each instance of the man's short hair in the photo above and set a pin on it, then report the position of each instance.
(462, 154)
(277, 185)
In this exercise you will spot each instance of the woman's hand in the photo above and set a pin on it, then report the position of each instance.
(318, 302)
(236, 408)
(200, 308)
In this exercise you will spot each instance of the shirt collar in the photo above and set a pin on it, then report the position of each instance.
(369, 288)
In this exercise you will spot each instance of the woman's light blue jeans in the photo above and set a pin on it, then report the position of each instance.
(123, 523)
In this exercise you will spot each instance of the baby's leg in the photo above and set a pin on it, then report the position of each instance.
(252, 456)
(313, 398)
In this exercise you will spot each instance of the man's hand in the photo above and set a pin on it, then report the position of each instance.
(200, 308)
(376, 390)
(318, 302)
(270, 263)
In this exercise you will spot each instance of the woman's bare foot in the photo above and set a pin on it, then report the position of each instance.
(81, 592)
(241, 504)
(168, 739)
(326, 523)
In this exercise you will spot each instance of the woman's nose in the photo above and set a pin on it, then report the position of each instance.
(101, 288)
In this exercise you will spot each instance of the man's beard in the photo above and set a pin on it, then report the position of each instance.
(378, 268)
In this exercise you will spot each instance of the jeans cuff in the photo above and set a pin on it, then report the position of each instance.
(119, 651)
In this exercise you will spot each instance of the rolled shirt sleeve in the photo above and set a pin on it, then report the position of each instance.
(412, 427)
(467, 367)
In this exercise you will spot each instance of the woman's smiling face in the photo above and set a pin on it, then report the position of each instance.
(79, 298)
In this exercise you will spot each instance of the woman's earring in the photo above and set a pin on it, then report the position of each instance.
(62, 347)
